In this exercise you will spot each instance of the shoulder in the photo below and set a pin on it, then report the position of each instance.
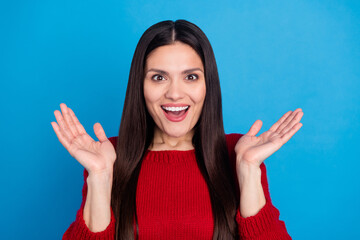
(233, 136)
(231, 140)
(113, 140)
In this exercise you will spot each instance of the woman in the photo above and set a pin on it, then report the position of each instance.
(172, 173)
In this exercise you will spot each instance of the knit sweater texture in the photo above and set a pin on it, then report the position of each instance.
(173, 202)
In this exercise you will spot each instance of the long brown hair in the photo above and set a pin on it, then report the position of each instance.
(137, 131)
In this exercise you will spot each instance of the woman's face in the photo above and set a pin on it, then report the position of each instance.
(174, 88)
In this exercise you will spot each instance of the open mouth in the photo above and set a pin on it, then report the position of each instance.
(175, 114)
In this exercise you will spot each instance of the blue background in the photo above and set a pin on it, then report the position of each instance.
(272, 57)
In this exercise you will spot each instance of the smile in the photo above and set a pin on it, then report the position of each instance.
(175, 114)
(174, 109)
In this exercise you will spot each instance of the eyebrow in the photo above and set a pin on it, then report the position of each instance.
(166, 73)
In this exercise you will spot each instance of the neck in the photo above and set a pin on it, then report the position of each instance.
(162, 141)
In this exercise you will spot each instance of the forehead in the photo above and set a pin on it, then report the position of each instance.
(175, 56)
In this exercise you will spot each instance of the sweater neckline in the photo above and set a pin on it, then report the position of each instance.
(170, 156)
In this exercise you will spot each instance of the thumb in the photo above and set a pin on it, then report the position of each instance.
(255, 128)
(99, 132)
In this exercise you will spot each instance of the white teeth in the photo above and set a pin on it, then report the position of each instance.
(175, 109)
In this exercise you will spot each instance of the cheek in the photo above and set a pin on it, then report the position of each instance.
(198, 94)
(151, 94)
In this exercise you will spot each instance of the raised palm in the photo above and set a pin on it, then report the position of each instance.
(253, 150)
(95, 156)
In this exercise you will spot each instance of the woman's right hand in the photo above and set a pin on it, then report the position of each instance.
(97, 157)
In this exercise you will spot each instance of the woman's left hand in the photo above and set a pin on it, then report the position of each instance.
(252, 150)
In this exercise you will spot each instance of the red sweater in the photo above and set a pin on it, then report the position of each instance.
(173, 202)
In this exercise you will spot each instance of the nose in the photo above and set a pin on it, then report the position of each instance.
(175, 90)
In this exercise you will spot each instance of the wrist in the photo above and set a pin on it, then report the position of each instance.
(247, 171)
(100, 181)
(104, 175)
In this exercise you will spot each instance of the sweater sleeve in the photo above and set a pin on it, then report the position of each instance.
(78, 230)
(266, 223)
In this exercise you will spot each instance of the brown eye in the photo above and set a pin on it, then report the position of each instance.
(192, 77)
(157, 77)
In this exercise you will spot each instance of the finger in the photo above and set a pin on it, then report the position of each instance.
(78, 125)
(68, 120)
(287, 120)
(294, 121)
(59, 135)
(255, 128)
(281, 120)
(62, 126)
(286, 137)
(99, 132)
